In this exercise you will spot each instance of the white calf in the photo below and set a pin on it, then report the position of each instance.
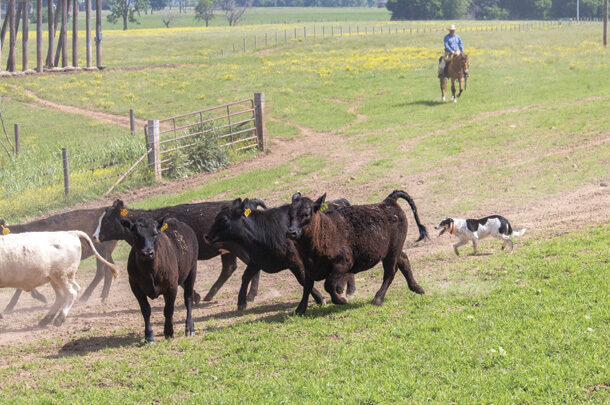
(31, 259)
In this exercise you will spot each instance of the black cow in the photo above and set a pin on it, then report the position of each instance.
(263, 235)
(163, 256)
(350, 240)
(199, 217)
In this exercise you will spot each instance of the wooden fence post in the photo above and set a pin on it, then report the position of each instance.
(17, 140)
(64, 155)
(244, 45)
(152, 144)
(259, 119)
(132, 122)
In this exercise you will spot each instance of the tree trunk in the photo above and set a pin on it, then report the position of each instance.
(125, 21)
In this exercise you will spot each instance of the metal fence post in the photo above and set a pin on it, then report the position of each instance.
(64, 155)
(132, 122)
(152, 144)
(259, 117)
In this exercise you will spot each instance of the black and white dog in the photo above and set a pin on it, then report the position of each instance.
(475, 229)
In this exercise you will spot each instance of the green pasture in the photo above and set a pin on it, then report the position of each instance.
(531, 107)
(526, 328)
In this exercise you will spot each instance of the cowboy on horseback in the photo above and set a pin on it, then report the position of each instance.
(453, 47)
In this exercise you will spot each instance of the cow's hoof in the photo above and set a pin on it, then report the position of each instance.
(44, 321)
(250, 297)
(189, 333)
(196, 298)
(339, 301)
(418, 290)
(59, 320)
(377, 301)
(321, 301)
(241, 307)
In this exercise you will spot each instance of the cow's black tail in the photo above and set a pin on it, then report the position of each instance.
(396, 194)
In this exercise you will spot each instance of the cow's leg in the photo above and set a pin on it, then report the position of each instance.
(189, 285)
(507, 240)
(38, 296)
(168, 312)
(405, 268)
(330, 285)
(70, 296)
(145, 309)
(250, 272)
(59, 300)
(100, 273)
(229, 265)
(13, 302)
(108, 278)
(253, 290)
(389, 269)
(351, 286)
(300, 276)
(307, 287)
(474, 246)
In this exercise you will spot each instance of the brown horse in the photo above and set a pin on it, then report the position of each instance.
(457, 69)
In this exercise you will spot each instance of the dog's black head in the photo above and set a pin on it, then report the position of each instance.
(444, 225)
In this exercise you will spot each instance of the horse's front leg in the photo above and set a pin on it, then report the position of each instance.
(443, 85)
(460, 80)
(453, 90)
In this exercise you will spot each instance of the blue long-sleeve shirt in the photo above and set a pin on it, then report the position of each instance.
(453, 43)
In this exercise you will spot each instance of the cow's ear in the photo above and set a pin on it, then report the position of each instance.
(126, 222)
(236, 203)
(3, 222)
(319, 202)
(296, 196)
(245, 203)
(162, 223)
(118, 204)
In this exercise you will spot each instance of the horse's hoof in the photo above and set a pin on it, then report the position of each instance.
(443, 99)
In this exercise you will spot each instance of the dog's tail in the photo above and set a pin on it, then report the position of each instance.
(396, 194)
(520, 233)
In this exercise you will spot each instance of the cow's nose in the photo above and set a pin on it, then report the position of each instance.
(292, 234)
(148, 253)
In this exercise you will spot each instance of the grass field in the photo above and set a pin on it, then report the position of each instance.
(526, 328)
(355, 116)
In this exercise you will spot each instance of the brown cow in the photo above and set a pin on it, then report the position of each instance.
(350, 240)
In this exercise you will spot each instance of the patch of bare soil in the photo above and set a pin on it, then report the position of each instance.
(88, 325)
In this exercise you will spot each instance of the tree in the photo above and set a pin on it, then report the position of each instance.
(168, 17)
(204, 10)
(157, 5)
(234, 9)
(489, 10)
(125, 10)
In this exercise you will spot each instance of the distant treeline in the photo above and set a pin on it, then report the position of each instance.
(492, 9)
(314, 3)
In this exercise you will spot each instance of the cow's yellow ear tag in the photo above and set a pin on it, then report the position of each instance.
(5, 230)
(124, 212)
(163, 228)
(247, 212)
(323, 207)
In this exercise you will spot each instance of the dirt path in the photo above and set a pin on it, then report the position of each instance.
(110, 118)
(88, 324)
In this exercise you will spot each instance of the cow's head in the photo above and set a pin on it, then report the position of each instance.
(302, 211)
(228, 224)
(145, 233)
(445, 225)
(109, 224)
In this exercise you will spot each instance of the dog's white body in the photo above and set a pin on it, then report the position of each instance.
(467, 230)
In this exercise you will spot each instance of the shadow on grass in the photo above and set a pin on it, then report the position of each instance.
(427, 103)
(86, 345)
(286, 311)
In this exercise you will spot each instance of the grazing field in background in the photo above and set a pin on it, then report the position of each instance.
(544, 83)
